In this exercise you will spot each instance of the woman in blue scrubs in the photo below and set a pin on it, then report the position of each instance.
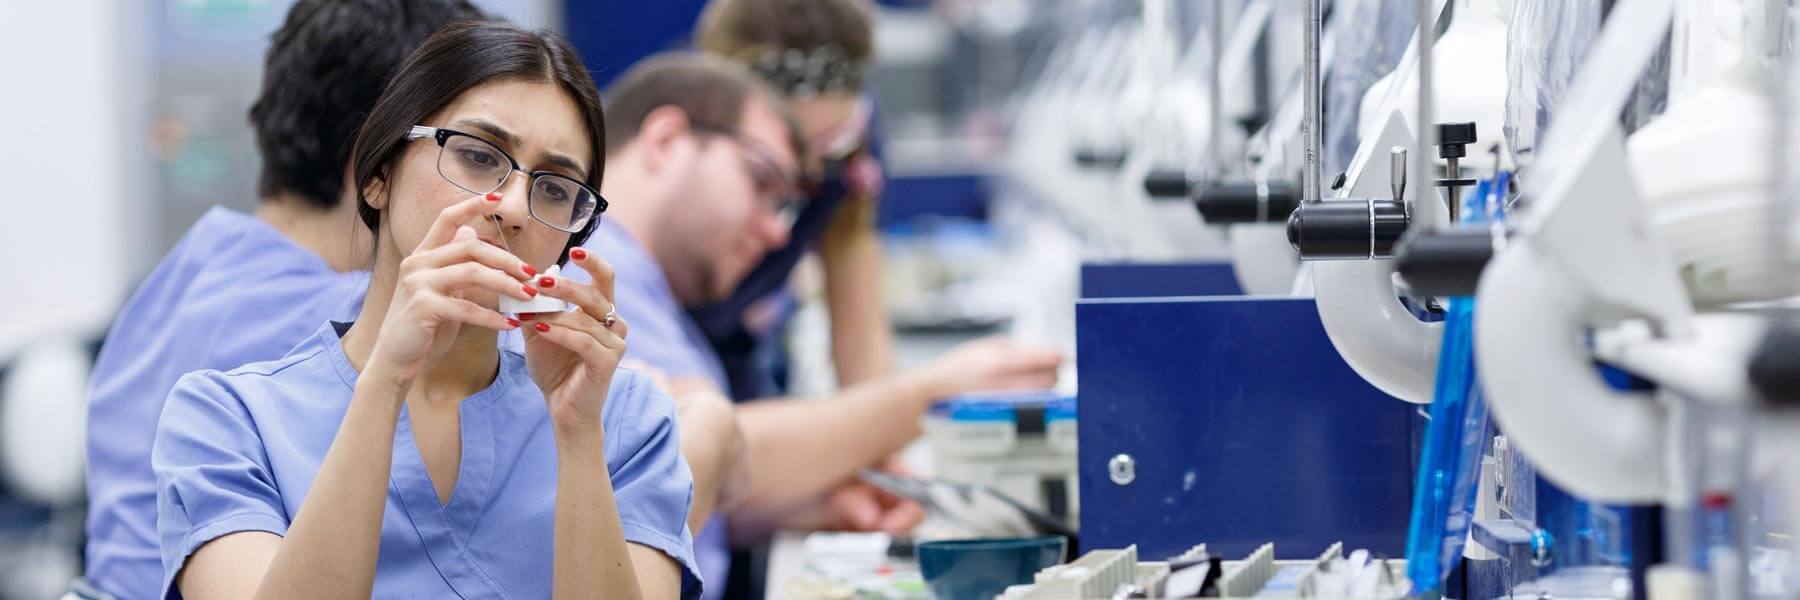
(404, 454)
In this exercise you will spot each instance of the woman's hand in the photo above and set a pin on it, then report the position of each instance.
(864, 177)
(572, 355)
(429, 306)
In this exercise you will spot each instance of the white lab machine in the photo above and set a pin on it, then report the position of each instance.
(1022, 444)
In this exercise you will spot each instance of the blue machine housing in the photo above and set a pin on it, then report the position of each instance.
(1244, 426)
(1159, 280)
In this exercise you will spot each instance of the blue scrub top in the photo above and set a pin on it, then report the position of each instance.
(238, 451)
(232, 291)
(665, 337)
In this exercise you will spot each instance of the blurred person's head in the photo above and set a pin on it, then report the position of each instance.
(325, 67)
(815, 52)
(512, 106)
(705, 168)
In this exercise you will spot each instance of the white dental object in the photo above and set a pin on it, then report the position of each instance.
(540, 303)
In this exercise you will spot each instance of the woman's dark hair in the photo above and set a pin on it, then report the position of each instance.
(325, 67)
(456, 59)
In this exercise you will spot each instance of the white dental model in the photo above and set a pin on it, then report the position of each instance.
(538, 304)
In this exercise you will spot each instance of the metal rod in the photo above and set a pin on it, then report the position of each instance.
(1215, 136)
(1452, 194)
(1787, 179)
(1426, 128)
(1312, 132)
(1397, 172)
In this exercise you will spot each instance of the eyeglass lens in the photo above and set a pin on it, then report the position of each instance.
(480, 168)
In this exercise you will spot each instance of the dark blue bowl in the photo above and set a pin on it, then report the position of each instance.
(979, 569)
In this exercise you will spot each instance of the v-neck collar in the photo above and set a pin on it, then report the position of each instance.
(445, 528)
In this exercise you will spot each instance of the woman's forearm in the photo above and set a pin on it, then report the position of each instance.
(330, 549)
(591, 558)
(862, 340)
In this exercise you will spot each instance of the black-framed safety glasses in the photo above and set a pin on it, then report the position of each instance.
(778, 188)
(479, 167)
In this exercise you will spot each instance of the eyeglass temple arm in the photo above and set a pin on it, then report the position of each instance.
(421, 132)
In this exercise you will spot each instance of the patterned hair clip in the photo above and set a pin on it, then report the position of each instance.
(799, 73)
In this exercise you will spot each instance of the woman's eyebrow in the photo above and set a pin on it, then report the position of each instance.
(490, 128)
(565, 163)
(511, 140)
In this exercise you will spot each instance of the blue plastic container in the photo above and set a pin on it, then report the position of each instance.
(980, 569)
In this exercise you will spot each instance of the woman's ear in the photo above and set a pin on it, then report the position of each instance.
(375, 191)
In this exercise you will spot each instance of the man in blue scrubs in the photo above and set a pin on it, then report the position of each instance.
(246, 288)
(701, 164)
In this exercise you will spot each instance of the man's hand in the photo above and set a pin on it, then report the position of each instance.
(991, 364)
(859, 506)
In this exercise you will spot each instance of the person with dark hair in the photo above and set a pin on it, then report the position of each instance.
(241, 288)
(404, 452)
(709, 156)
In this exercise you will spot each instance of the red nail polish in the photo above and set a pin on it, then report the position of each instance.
(543, 327)
(529, 291)
(513, 322)
(527, 316)
(529, 271)
(578, 254)
(547, 281)
(493, 197)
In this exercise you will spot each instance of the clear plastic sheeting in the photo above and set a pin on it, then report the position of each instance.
(1379, 31)
(1546, 41)
(1651, 99)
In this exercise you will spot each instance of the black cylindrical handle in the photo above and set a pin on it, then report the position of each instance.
(1775, 369)
(1357, 228)
(1094, 158)
(1445, 263)
(1167, 183)
(1247, 201)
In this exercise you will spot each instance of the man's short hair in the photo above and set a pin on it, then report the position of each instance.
(710, 90)
(325, 68)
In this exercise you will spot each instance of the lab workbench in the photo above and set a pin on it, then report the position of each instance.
(791, 578)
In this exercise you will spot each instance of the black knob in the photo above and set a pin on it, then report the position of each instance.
(1445, 263)
(1253, 122)
(1775, 369)
(1454, 139)
(1247, 201)
(1167, 183)
(1356, 228)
